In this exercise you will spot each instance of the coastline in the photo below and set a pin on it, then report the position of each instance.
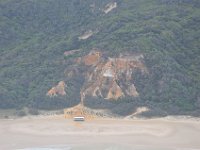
(170, 132)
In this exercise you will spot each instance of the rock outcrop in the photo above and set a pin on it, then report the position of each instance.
(71, 52)
(86, 35)
(57, 90)
(105, 77)
(91, 59)
(109, 7)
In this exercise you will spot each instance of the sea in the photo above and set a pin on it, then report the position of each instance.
(60, 147)
(63, 147)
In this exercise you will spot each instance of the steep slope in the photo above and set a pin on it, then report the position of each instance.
(108, 78)
(34, 35)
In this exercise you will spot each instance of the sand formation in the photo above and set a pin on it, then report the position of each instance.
(105, 77)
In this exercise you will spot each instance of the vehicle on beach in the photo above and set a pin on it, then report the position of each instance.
(79, 118)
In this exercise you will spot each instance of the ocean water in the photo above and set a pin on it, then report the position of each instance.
(102, 148)
(62, 147)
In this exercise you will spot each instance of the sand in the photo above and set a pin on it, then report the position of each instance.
(100, 134)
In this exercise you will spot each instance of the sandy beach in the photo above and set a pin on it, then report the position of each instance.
(56, 133)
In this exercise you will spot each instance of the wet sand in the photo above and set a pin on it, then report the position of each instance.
(101, 134)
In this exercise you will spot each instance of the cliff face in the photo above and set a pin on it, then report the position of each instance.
(57, 90)
(111, 78)
(105, 77)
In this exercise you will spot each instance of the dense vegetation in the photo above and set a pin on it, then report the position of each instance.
(34, 34)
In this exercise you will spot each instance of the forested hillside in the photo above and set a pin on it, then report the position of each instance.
(35, 34)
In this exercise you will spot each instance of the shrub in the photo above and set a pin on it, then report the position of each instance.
(33, 111)
(6, 117)
(21, 113)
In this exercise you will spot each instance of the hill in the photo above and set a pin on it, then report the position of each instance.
(35, 37)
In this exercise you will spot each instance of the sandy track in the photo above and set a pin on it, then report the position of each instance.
(156, 134)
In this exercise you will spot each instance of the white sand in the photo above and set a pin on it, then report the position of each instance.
(102, 134)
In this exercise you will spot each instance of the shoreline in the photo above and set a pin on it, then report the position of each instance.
(55, 116)
(108, 133)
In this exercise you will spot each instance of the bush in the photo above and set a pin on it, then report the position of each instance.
(60, 112)
(33, 111)
(6, 117)
(21, 113)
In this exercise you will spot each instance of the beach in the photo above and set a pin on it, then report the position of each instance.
(58, 133)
